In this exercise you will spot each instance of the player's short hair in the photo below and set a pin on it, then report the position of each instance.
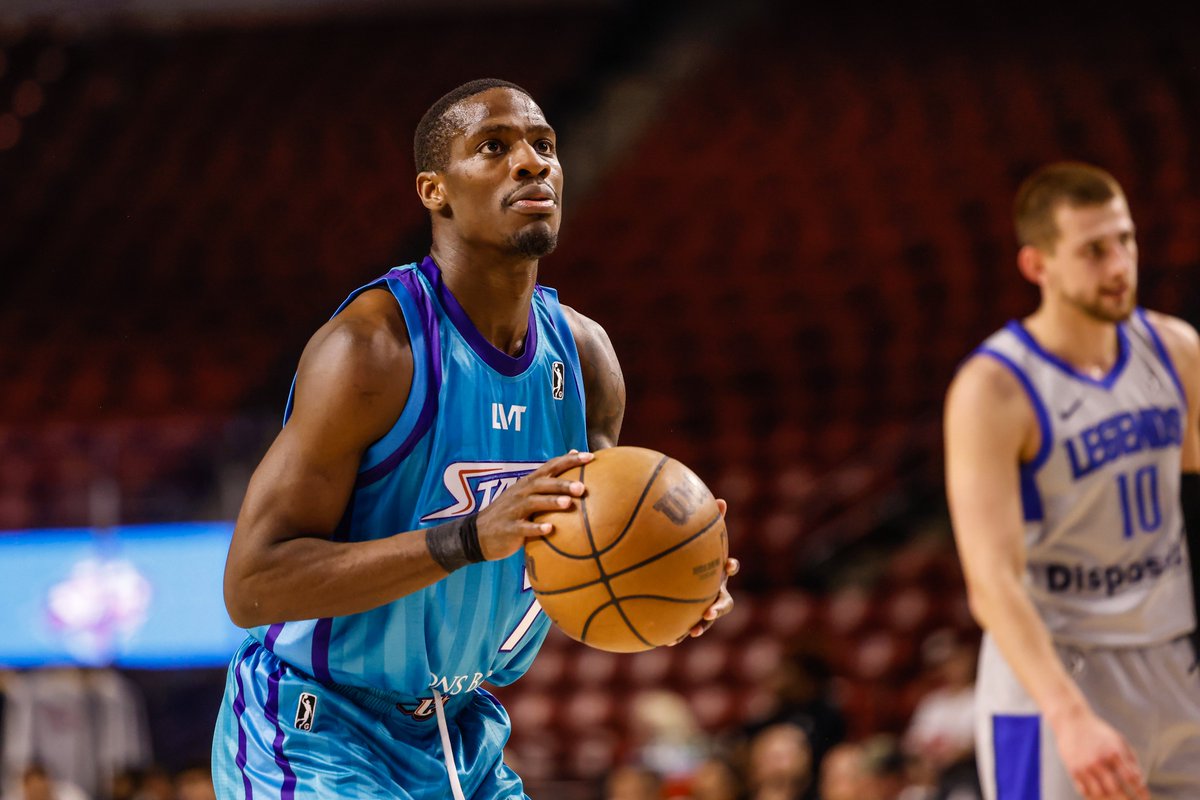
(431, 142)
(1071, 182)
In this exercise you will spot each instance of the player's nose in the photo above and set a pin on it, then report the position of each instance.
(529, 163)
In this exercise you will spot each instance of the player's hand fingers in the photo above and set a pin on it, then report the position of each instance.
(1106, 780)
(555, 486)
(560, 464)
(1087, 785)
(540, 503)
(721, 607)
(732, 567)
(533, 530)
(1130, 774)
(722, 507)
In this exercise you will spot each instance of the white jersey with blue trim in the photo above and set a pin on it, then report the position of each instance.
(1106, 556)
(476, 420)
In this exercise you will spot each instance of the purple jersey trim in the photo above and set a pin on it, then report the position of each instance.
(429, 323)
(288, 790)
(496, 359)
(239, 708)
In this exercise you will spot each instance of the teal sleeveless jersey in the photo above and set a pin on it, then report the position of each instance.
(476, 420)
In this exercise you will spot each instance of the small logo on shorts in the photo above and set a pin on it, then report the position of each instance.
(558, 380)
(306, 710)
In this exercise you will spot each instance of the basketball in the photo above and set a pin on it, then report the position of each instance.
(637, 560)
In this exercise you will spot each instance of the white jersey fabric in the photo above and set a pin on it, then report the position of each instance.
(1107, 560)
(1107, 569)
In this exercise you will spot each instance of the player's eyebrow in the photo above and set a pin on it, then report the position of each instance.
(500, 127)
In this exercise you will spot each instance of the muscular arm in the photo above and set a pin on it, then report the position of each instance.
(602, 380)
(351, 387)
(989, 426)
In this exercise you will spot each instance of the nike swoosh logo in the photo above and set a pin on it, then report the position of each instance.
(1065, 415)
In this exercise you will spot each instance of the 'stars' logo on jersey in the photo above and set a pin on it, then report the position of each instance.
(475, 484)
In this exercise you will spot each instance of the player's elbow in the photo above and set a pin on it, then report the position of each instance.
(244, 596)
(986, 594)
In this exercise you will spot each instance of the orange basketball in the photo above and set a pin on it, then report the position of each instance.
(637, 560)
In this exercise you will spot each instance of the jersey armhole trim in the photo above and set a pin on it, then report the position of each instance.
(1039, 408)
(1163, 355)
(419, 410)
(558, 321)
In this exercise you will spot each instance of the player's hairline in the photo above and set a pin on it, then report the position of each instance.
(436, 118)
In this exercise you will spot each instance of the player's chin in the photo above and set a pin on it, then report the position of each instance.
(535, 240)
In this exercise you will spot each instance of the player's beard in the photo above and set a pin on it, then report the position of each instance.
(1105, 312)
(535, 241)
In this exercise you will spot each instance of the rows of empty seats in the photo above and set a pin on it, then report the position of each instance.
(574, 707)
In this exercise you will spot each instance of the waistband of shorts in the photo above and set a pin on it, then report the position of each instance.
(378, 700)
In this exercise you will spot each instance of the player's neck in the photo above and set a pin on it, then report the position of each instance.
(1088, 344)
(494, 292)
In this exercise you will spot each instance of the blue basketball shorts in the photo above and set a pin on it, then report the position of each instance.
(281, 735)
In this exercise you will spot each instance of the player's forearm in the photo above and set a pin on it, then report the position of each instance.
(1003, 608)
(312, 577)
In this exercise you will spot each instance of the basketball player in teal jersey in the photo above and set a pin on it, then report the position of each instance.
(1072, 448)
(377, 559)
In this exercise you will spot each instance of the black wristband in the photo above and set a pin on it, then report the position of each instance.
(454, 544)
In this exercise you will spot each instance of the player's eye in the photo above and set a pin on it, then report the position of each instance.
(544, 146)
(491, 147)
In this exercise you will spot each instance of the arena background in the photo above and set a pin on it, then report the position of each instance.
(793, 223)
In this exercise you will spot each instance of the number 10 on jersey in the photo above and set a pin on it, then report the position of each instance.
(1139, 500)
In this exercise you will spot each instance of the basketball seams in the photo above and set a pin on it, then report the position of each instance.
(632, 567)
(636, 508)
(587, 527)
(666, 552)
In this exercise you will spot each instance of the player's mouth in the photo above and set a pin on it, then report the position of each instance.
(536, 198)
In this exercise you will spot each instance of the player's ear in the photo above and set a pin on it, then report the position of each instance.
(1032, 264)
(431, 190)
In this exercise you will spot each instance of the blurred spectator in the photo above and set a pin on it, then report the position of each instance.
(195, 783)
(843, 773)
(155, 784)
(625, 783)
(942, 730)
(886, 768)
(666, 739)
(36, 784)
(83, 726)
(716, 779)
(800, 686)
(780, 763)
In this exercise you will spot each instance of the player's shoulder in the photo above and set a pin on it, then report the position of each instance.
(367, 342)
(986, 379)
(1178, 336)
(590, 337)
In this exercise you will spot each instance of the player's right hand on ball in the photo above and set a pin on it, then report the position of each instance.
(1099, 760)
(505, 524)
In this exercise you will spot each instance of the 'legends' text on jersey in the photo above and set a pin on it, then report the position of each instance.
(1106, 559)
(476, 420)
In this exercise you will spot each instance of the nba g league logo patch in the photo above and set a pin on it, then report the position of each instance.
(306, 710)
(558, 380)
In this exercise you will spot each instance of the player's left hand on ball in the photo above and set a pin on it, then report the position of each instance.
(724, 602)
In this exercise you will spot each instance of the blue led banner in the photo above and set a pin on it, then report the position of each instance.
(135, 596)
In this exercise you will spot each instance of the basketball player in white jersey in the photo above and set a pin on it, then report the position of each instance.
(1066, 436)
